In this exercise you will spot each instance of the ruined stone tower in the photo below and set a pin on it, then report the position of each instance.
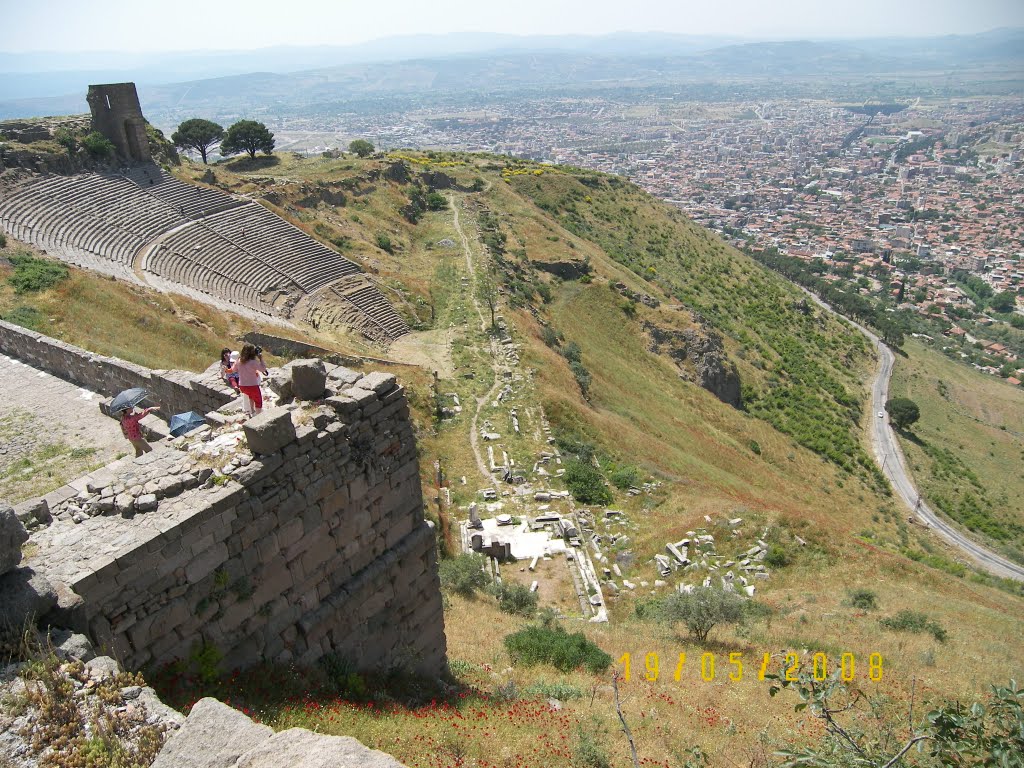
(117, 114)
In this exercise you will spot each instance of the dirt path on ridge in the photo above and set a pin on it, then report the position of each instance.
(474, 432)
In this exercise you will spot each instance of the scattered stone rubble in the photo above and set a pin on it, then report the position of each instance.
(212, 736)
(732, 575)
(97, 683)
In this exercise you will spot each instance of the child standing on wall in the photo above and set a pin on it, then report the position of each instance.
(249, 367)
(130, 428)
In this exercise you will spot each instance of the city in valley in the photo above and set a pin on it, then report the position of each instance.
(916, 204)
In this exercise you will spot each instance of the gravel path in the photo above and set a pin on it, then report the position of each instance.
(51, 431)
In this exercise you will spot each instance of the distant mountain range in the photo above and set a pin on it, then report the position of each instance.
(231, 82)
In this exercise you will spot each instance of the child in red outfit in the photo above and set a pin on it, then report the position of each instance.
(132, 431)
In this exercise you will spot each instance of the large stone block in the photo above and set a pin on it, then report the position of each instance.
(12, 536)
(280, 382)
(25, 595)
(378, 381)
(342, 378)
(270, 431)
(309, 379)
(299, 748)
(214, 736)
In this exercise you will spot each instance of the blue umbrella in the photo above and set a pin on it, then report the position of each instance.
(185, 422)
(128, 399)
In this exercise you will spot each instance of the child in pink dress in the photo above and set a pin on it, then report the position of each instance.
(131, 429)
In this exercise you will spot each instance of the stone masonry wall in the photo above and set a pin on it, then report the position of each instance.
(176, 391)
(318, 547)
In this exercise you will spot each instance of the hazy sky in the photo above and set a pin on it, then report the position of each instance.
(69, 25)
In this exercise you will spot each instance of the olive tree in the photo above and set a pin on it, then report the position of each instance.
(702, 609)
(361, 147)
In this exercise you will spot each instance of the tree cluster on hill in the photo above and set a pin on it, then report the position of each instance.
(810, 275)
(200, 135)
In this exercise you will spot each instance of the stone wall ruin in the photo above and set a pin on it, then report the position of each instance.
(117, 114)
(302, 535)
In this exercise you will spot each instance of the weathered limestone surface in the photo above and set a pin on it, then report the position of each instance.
(270, 431)
(317, 547)
(12, 536)
(216, 736)
(309, 379)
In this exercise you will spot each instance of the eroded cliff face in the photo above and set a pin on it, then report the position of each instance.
(701, 359)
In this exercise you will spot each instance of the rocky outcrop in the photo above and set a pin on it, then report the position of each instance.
(436, 180)
(25, 595)
(398, 172)
(567, 270)
(12, 536)
(217, 736)
(641, 298)
(701, 358)
(321, 193)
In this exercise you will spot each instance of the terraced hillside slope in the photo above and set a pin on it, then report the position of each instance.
(146, 226)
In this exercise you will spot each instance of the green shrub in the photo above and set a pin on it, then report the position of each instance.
(916, 622)
(582, 375)
(864, 599)
(384, 243)
(777, 557)
(436, 201)
(98, 146)
(572, 352)
(553, 645)
(26, 317)
(342, 676)
(32, 274)
(3, 240)
(576, 445)
(755, 447)
(624, 477)
(559, 690)
(67, 139)
(588, 753)
(463, 574)
(585, 483)
(516, 599)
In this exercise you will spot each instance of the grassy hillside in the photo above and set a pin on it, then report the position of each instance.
(967, 451)
(789, 464)
(802, 369)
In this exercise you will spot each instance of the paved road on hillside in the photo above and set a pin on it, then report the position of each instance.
(890, 458)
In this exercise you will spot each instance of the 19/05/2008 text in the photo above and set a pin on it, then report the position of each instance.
(734, 668)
